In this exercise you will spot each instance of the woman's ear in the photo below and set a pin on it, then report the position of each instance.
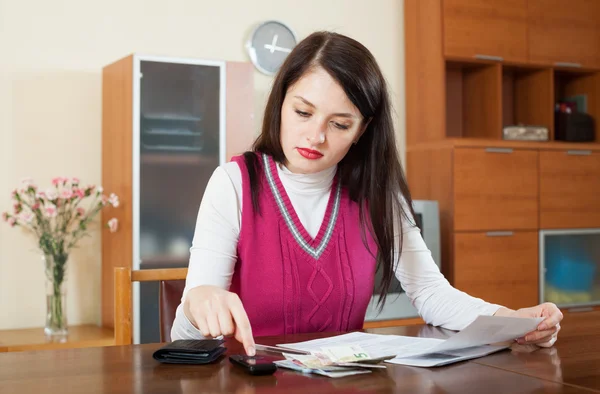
(363, 128)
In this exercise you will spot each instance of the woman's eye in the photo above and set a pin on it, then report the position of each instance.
(340, 126)
(302, 113)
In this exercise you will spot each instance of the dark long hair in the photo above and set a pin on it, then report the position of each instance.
(371, 170)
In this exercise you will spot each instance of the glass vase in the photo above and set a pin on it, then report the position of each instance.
(56, 297)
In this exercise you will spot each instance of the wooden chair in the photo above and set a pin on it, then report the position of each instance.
(172, 281)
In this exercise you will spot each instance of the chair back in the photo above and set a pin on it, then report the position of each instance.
(169, 297)
(171, 284)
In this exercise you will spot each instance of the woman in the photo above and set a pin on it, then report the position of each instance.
(289, 236)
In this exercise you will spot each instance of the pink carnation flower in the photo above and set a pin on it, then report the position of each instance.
(27, 217)
(27, 183)
(113, 200)
(66, 194)
(50, 210)
(51, 194)
(113, 225)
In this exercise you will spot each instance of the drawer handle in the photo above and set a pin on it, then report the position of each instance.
(500, 233)
(575, 152)
(567, 64)
(489, 57)
(499, 150)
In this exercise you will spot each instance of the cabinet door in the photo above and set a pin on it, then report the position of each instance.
(495, 189)
(180, 127)
(500, 268)
(569, 189)
(564, 32)
(484, 28)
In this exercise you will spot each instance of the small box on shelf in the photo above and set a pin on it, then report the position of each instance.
(527, 98)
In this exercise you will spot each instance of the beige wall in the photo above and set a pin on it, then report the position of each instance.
(50, 99)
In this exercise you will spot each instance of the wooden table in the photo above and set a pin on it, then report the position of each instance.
(574, 360)
(88, 335)
(567, 368)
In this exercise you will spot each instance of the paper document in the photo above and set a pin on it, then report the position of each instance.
(376, 345)
(473, 341)
(449, 357)
(486, 330)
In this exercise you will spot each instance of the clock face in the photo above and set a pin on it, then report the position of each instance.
(269, 45)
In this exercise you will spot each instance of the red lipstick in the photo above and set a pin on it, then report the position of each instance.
(309, 153)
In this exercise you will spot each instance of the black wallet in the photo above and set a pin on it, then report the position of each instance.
(190, 351)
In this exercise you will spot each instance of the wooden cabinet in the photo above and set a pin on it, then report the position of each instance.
(535, 53)
(486, 29)
(564, 32)
(499, 267)
(569, 189)
(167, 123)
(549, 32)
(495, 189)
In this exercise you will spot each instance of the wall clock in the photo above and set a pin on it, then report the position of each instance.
(269, 44)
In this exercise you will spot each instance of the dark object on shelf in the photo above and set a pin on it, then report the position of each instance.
(574, 127)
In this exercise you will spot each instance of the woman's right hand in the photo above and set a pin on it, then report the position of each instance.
(215, 311)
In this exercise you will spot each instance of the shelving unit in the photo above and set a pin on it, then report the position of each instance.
(474, 67)
(168, 123)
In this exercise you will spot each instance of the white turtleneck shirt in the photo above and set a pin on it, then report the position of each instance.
(213, 252)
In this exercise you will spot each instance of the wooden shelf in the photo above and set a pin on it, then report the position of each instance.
(34, 338)
(473, 92)
(165, 261)
(490, 143)
(187, 159)
(527, 97)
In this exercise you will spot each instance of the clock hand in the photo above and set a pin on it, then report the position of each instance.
(274, 48)
(282, 49)
(274, 43)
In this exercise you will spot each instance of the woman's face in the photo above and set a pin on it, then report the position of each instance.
(318, 123)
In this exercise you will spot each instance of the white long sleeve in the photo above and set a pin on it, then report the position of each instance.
(436, 301)
(213, 251)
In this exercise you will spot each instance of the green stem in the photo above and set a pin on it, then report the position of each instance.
(55, 271)
(56, 308)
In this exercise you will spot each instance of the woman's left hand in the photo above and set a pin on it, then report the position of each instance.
(547, 331)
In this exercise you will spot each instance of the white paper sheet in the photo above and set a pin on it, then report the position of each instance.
(471, 342)
(374, 344)
(487, 330)
(453, 356)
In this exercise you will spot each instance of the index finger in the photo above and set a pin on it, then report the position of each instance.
(243, 330)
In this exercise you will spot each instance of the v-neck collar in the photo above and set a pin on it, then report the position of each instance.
(314, 247)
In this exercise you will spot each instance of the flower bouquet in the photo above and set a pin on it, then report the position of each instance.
(58, 217)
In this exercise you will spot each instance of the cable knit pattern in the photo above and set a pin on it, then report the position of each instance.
(326, 284)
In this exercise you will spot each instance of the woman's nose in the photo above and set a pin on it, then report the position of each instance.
(317, 136)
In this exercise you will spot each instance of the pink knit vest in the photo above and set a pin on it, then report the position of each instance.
(290, 283)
